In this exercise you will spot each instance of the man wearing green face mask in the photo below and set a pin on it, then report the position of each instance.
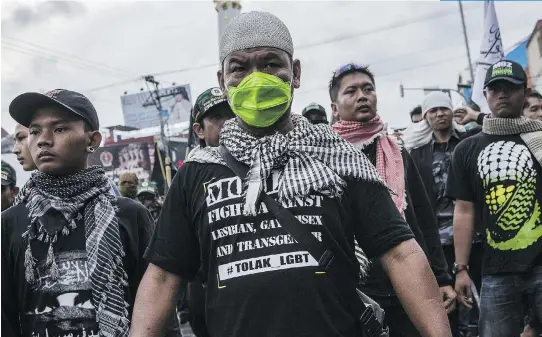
(260, 281)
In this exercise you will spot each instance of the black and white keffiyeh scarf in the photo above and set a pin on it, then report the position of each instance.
(529, 130)
(313, 158)
(85, 192)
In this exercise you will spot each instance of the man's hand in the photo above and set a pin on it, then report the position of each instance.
(465, 115)
(462, 287)
(448, 295)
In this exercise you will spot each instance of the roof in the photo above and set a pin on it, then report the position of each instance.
(4, 133)
(537, 26)
(121, 128)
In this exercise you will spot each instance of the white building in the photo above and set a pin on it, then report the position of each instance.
(534, 57)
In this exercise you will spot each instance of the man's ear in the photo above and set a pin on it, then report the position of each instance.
(220, 78)
(198, 130)
(95, 139)
(296, 81)
(15, 191)
(485, 93)
(334, 110)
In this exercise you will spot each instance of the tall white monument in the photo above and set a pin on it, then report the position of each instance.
(226, 10)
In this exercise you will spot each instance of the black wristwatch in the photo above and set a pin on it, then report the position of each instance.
(459, 267)
(480, 118)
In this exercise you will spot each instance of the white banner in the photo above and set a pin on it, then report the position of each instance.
(139, 112)
(491, 52)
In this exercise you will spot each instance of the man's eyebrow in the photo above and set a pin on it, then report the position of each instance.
(55, 122)
(273, 55)
(236, 59)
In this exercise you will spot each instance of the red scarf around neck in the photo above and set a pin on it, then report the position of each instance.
(389, 161)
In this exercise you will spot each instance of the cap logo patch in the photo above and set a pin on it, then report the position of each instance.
(502, 68)
(53, 93)
(216, 92)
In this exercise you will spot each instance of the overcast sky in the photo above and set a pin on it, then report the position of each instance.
(90, 46)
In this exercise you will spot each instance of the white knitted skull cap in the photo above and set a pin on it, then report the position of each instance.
(254, 30)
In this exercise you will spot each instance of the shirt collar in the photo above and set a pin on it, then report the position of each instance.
(455, 135)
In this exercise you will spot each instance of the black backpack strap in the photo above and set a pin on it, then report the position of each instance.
(337, 269)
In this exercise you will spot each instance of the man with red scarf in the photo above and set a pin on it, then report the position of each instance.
(353, 97)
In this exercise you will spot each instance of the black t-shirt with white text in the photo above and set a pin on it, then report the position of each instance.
(63, 307)
(504, 181)
(259, 281)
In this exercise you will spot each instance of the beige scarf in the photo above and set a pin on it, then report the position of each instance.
(529, 130)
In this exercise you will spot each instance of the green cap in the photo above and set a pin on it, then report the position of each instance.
(207, 100)
(9, 176)
(147, 187)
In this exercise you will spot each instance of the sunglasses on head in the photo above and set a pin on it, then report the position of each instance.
(346, 68)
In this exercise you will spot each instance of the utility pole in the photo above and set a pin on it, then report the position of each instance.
(466, 40)
(155, 100)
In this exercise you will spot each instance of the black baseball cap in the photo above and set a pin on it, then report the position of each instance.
(206, 101)
(147, 187)
(505, 70)
(313, 107)
(9, 176)
(24, 106)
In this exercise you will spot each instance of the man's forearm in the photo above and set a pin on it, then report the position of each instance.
(416, 287)
(463, 229)
(155, 302)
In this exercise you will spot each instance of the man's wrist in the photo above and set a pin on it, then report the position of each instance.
(480, 118)
(458, 268)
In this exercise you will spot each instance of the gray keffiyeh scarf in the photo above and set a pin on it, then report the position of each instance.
(85, 192)
(529, 130)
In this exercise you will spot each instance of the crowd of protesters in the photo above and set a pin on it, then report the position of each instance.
(280, 224)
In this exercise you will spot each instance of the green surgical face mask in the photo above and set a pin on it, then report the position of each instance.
(260, 99)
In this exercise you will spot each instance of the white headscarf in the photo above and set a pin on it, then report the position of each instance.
(419, 134)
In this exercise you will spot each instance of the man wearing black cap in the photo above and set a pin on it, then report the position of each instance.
(147, 195)
(71, 251)
(210, 112)
(315, 113)
(260, 281)
(9, 188)
(498, 174)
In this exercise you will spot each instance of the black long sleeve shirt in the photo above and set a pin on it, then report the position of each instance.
(421, 218)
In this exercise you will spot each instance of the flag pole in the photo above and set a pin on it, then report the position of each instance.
(466, 40)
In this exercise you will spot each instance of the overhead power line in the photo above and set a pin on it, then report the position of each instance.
(379, 76)
(61, 61)
(422, 18)
(65, 55)
(49, 54)
(426, 17)
(111, 85)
